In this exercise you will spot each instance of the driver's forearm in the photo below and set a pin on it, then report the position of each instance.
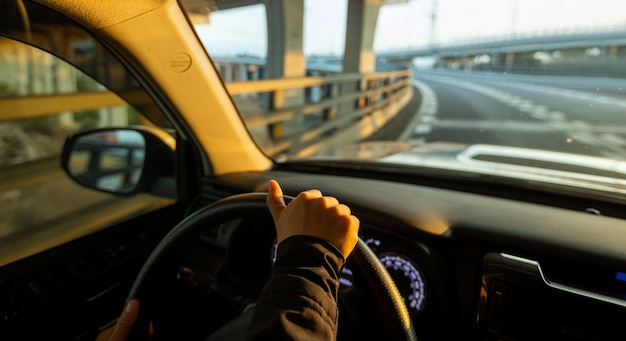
(300, 299)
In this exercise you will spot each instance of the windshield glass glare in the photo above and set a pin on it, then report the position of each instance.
(524, 89)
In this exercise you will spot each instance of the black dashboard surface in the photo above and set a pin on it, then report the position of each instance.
(476, 254)
(415, 211)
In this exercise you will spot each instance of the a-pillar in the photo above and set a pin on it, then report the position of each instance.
(285, 56)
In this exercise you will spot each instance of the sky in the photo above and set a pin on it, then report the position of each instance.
(401, 26)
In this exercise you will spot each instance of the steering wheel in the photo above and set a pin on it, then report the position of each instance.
(393, 314)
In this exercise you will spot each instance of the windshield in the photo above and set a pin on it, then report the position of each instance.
(517, 89)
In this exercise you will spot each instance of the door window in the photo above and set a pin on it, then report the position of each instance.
(55, 79)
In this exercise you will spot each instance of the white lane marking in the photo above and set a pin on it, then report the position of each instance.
(581, 130)
(583, 138)
(538, 111)
(614, 139)
(613, 142)
(594, 98)
(427, 119)
(494, 125)
(557, 116)
(421, 123)
(423, 129)
(581, 125)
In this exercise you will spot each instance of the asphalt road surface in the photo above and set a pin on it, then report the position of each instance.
(582, 115)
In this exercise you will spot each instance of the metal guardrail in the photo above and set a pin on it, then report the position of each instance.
(238, 88)
(365, 100)
(25, 107)
(376, 98)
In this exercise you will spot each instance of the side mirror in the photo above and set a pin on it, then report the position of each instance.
(122, 161)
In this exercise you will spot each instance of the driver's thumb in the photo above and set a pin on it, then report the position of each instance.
(275, 201)
(126, 321)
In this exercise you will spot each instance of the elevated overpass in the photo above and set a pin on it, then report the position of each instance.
(554, 49)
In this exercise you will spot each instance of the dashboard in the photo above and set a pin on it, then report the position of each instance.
(555, 300)
(237, 257)
(470, 264)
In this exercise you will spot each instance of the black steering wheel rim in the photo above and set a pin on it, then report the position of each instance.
(393, 311)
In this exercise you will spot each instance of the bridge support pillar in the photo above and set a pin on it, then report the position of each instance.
(495, 62)
(359, 54)
(285, 56)
(611, 52)
(285, 27)
(361, 26)
(509, 61)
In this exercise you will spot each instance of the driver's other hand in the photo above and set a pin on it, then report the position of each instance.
(120, 330)
(313, 214)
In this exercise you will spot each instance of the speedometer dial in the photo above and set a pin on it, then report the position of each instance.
(408, 278)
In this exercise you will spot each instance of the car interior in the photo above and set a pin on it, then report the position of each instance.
(147, 182)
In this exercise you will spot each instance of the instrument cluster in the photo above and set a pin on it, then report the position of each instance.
(404, 265)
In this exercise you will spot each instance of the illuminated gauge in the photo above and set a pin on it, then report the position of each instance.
(408, 278)
(372, 242)
(345, 278)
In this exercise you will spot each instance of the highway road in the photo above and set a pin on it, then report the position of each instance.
(583, 115)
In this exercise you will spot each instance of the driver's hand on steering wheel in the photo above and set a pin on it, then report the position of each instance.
(310, 214)
(313, 214)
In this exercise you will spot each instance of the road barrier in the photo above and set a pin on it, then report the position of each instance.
(350, 108)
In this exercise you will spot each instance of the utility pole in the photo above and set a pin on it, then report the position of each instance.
(514, 18)
(433, 23)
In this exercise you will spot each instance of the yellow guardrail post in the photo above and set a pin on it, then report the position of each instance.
(379, 97)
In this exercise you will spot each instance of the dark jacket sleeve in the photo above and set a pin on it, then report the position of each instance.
(299, 302)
